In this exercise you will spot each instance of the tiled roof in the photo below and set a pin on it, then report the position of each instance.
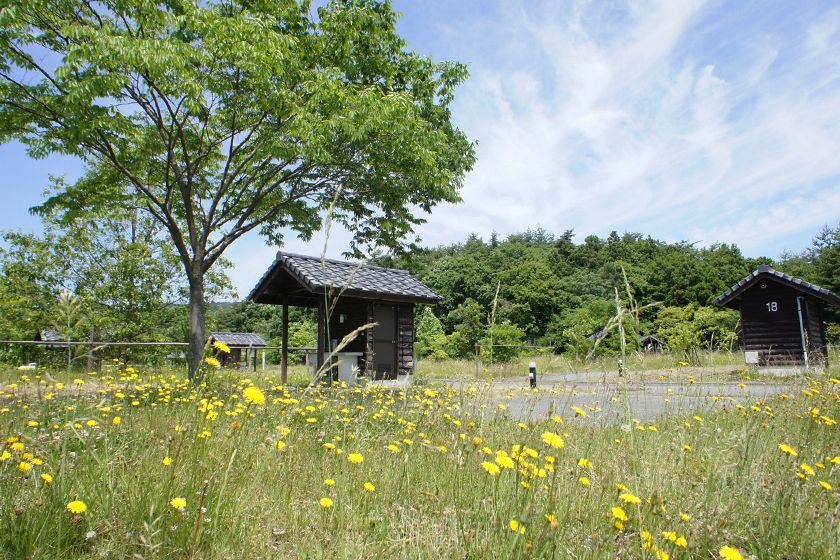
(236, 339)
(316, 275)
(765, 271)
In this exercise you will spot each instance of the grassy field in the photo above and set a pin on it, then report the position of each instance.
(707, 366)
(149, 466)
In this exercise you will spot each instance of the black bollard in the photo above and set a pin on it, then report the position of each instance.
(532, 374)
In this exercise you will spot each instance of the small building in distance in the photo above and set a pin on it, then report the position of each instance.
(237, 342)
(781, 318)
(348, 296)
(650, 343)
(51, 336)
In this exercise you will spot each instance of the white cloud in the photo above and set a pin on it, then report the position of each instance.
(628, 131)
(677, 119)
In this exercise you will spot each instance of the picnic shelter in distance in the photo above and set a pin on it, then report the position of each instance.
(781, 318)
(237, 342)
(349, 295)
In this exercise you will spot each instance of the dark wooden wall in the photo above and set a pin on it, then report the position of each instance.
(816, 330)
(405, 339)
(773, 330)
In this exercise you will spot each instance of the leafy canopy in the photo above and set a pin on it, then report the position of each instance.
(224, 117)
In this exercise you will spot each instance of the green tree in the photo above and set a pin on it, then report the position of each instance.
(501, 342)
(126, 276)
(691, 328)
(430, 338)
(221, 118)
(586, 325)
(469, 325)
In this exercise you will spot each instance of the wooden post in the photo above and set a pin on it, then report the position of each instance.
(284, 351)
(322, 312)
(90, 352)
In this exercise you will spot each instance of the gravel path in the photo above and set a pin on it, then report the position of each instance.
(605, 402)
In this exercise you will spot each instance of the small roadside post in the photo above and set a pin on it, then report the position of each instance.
(532, 374)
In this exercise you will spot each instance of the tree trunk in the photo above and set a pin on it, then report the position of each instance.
(197, 338)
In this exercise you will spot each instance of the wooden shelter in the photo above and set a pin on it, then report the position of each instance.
(650, 344)
(349, 295)
(237, 342)
(781, 318)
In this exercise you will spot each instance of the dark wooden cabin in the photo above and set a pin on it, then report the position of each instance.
(349, 295)
(650, 344)
(781, 318)
(237, 342)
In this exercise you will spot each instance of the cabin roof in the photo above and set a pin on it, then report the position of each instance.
(731, 296)
(649, 337)
(49, 335)
(238, 339)
(317, 276)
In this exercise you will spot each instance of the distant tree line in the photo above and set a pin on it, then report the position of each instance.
(555, 292)
(529, 288)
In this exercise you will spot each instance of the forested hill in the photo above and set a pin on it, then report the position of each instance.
(557, 291)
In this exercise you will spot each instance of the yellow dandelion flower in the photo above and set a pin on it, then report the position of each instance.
(554, 440)
(619, 513)
(730, 553)
(681, 542)
(505, 461)
(579, 411)
(221, 347)
(517, 527)
(393, 448)
(355, 458)
(24, 467)
(77, 507)
(167, 461)
(326, 503)
(369, 486)
(253, 395)
(583, 480)
(211, 361)
(630, 498)
(47, 478)
(491, 468)
(787, 449)
(329, 482)
(808, 469)
(281, 444)
(178, 503)
(826, 485)
(684, 517)
(116, 421)
(584, 463)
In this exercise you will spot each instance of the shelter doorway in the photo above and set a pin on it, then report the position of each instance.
(385, 342)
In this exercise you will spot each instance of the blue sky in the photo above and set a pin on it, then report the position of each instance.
(687, 120)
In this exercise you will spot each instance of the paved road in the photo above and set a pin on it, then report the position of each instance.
(605, 402)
